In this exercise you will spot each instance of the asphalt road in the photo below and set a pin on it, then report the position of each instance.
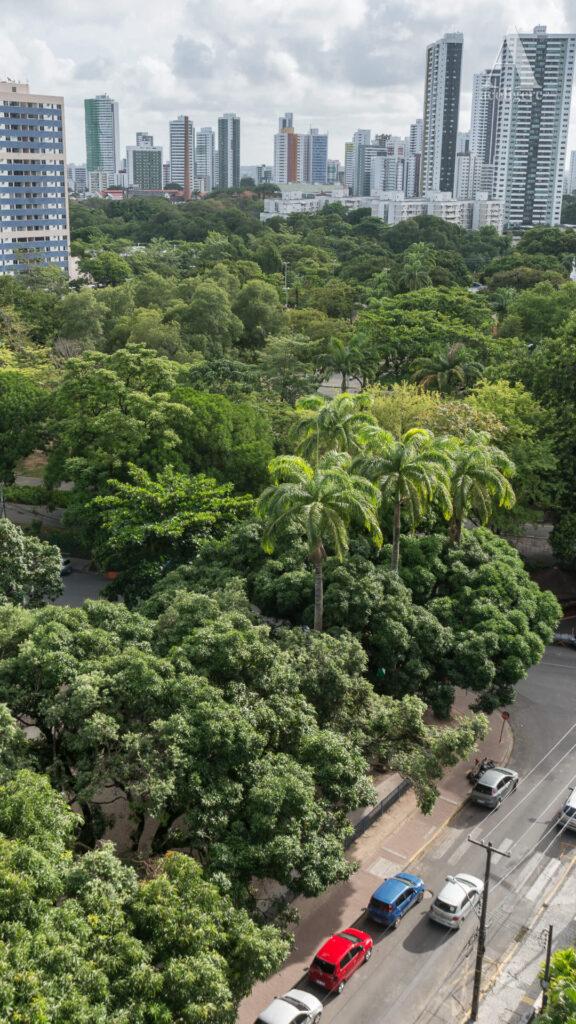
(422, 973)
(78, 586)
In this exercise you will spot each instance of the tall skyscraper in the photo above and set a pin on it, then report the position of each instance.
(144, 162)
(205, 154)
(413, 160)
(33, 180)
(299, 157)
(360, 164)
(285, 154)
(182, 165)
(229, 151)
(317, 157)
(102, 134)
(537, 72)
(441, 108)
(349, 164)
(484, 116)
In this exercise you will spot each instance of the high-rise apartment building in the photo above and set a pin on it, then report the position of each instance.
(349, 164)
(205, 156)
(537, 72)
(34, 221)
(441, 109)
(360, 162)
(102, 134)
(484, 115)
(413, 160)
(144, 162)
(182, 164)
(228, 151)
(299, 157)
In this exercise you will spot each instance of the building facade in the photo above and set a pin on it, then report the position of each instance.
(441, 109)
(205, 157)
(144, 162)
(182, 169)
(102, 127)
(537, 73)
(34, 219)
(228, 151)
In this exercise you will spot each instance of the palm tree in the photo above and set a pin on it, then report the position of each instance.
(330, 425)
(446, 372)
(479, 479)
(501, 299)
(353, 360)
(410, 473)
(322, 501)
(417, 262)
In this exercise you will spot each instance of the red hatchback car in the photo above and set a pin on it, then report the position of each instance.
(338, 958)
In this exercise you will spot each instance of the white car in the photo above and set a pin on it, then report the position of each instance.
(296, 1007)
(456, 899)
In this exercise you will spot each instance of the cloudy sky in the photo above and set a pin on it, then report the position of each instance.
(338, 66)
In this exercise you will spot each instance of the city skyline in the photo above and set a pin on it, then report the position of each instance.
(360, 68)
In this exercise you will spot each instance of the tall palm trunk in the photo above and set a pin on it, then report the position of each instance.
(458, 531)
(318, 557)
(396, 538)
(344, 385)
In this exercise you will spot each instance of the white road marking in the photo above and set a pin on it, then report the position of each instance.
(383, 868)
(544, 878)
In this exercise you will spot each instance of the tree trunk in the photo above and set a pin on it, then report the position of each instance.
(344, 386)
(459, 531)
(396, 538)
(318, 590)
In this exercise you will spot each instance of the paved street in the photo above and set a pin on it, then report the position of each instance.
(79, 586)
(421, 973)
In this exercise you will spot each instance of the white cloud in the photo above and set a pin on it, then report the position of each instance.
(339, 67)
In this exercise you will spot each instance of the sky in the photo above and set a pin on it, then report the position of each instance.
(340, 66)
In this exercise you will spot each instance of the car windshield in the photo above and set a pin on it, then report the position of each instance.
(569, 811)
(481, 788)
(294, 1002)
(323, 965)
(448, 908)
(347, 936)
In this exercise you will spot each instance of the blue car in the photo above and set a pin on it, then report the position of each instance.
(394, 897)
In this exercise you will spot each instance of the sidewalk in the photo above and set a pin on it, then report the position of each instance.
(515, 993)
(387, 847)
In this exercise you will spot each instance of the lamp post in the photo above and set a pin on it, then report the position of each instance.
(481, 947)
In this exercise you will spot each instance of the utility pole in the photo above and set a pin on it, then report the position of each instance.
(545, 982)
(481, 947)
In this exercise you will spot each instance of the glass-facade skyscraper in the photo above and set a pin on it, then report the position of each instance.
(537, 72)
(102, 134)
(441, 109)
(34, 221)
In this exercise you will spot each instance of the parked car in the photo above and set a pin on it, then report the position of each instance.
(567, 816)
(339, 957)
(296, 1007)
(456, 899)
(65, 566)
(394, 897)
(493, 785)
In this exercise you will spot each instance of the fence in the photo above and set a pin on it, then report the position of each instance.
(377, 812)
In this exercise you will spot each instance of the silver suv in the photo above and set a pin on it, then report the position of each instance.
(493, 785)
(567, 816)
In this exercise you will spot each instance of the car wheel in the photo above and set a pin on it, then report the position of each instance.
(515, 784)
(340, 988)
(367, 955)
(317, 1017)
(420, 897)
(396, 922)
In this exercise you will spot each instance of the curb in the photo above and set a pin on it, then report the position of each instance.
(458, 808)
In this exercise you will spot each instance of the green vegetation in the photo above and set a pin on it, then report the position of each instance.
(176, 388)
